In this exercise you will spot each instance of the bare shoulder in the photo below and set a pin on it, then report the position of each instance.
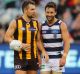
(13, 23)
(39, 24)
(63, 26)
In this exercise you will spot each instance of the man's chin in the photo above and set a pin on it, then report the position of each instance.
(49, 19)
(30, 17)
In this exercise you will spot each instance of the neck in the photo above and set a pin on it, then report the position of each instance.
(25, 17)
(52, 22)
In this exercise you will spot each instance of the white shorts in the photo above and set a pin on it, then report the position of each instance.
(52, 65)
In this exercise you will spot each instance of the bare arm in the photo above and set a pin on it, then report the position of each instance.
(65, 36)
(9, 34)
(66, 39)
(40, 46)
(39, 43)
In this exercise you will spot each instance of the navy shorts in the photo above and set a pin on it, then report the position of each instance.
(31, 64)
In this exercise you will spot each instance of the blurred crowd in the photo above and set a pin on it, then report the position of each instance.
(67, 10)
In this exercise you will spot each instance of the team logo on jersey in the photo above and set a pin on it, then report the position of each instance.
(55, 31)
(32, 29)
(23, 28)
(44, 32)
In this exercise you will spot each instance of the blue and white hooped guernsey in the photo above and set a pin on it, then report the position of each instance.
(52, 39)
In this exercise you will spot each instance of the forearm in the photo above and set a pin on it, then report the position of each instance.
(44, 54)
(39, 55)
(66, 48)
(40, 46)
(10, 31)
(8, 39)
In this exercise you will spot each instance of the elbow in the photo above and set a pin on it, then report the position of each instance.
(67, 43)
(38, 42)
(5, 38)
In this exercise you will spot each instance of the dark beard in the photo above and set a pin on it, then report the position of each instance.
(30, 17)
(50, 21)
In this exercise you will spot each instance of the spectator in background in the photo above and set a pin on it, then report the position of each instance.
(61, 8)
(75, 32)
(75, 10)
(9, 12)
(71, 3)
(10, 3)
(2, 33)
(74, 6)
(67, 18)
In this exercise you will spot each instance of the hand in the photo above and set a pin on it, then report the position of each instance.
(62, 61)
(45, 56)
(39, 61)
(25, 46)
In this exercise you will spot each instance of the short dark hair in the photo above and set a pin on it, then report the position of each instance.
(26, 3)
(51, 5)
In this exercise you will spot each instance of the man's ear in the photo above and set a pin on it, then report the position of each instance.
(25, 9)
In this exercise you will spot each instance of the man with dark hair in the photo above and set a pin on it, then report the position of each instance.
(25, 4)
(25, 29)
(56, 42)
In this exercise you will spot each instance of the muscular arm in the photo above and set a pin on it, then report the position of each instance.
(40, 46)
(65, 36)
(39, 43)
(9, 34)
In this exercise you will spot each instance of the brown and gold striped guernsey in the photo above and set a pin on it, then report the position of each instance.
(26, 33)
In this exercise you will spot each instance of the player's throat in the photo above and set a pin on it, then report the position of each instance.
(50, 23)
(25, 17)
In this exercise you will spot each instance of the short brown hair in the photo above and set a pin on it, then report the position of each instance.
(26, 3)
(51, 5)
